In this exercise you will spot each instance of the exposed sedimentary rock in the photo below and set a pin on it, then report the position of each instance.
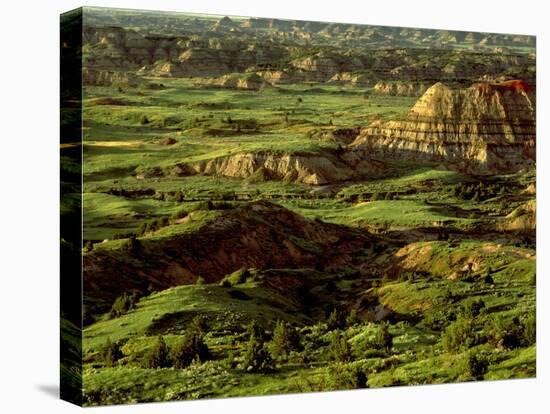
(279, 76)
(94, 77)
(484, 128)
(307, 169)
(312, 169)
(400, 88)
(523, 218)
(248, 81)
(355, 79)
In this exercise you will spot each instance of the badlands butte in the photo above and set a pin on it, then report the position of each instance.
(319, 206)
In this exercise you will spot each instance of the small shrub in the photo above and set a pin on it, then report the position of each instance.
(88, 246)
(255, 330)
(198, 324)
(475, 365)
(110, 353)
(506, 333)
(239, 276)
(345, 377)
(256, 357)
(123, 304)
(352, 318)
(473, 308)
(459, 335)
(285, 339)
(383, 339)
(190, 348)
(335, 320)
(339, 348)
(157, 355)
(133, 244)
(529, 325)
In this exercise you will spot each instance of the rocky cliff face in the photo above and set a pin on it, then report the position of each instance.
(485, 128)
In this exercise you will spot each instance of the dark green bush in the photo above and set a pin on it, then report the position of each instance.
(133, 244)
(190, 348)
(459, 335)
(255, 330)
(383, 339)
(123, 304)
(336, 320)
(506, 333)
(256, 357)
(352, 318)
(529, 325)
(157, 356)
(339, 348)
(346, 377)
(285, 339)
(473, 308)
(475, 365)
(110, 353)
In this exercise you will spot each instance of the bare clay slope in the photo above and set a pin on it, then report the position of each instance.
(486, 128)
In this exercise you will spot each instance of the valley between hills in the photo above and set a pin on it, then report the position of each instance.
(281, 206)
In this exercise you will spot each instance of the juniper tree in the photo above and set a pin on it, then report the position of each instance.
(285, 340)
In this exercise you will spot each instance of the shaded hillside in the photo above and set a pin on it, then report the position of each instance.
(258, 235)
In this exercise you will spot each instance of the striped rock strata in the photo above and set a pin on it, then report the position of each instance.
(486, 128)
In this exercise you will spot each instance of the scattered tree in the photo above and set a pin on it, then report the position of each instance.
(110, 353)
(157, 355)
(123, 304)
(339, 348)
(383, 339)
(352, 318)
(335, 320)
(476, 365)
(346, 377)
(285, 340)
(459, 335)
(190, 348)
(529, 325)
(256, 357)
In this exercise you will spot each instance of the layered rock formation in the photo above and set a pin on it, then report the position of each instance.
(400, 88)
(247, 81)
(485, 128)
(354, 79)
(95, 77)
(522, 219)
(307, 169)
(311, 169)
